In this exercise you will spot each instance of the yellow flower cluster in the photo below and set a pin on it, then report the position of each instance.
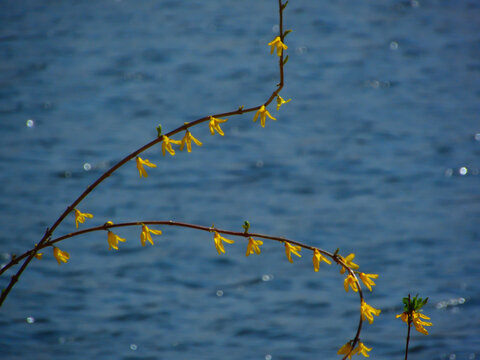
(349, 262)
(350, 281)
(141, 163)
(61, 256)
(80, 217)
(417, 321)
(367, 279)
(214, 125)
(187, 140)
(368, 311)
(289, 249)
(317, 259)
(280, 101)
(145, 235)
(277, 44)
(219, 244)
(359, 349)
(253, 246)
(113, 240)
(167, 145)
(263, 113)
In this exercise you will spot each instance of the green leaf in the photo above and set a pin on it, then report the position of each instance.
(246, 226)
(284, 5)
(286, 33)
(285, 60)
(159, 130)
(414, 304)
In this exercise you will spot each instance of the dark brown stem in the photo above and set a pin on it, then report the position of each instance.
(361, 298)
(408, 340)
(409, 327)
(191, 226)
(280, 30)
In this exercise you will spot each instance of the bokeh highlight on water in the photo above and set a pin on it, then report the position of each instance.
(377, 154)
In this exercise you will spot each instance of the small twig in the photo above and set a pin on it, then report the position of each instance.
(408, 331)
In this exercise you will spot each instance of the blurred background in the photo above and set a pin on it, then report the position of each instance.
(376, 154)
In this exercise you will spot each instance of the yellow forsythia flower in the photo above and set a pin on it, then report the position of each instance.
(349, 262)
(167, 145)
(277, 43)
(317, 259)
(187, 139)
(145, 235)
(362, 349)
(218, 242)
(368, 311)
(367, 279)
(346, 349)
(280, 101)
(253, 246)
(214, 124)
(289, 249)
(113, 240)
(403, 316)
(419, 324)
(263, 115)
(80, 217)
(350, 280)
(141, 163)
(61, 256)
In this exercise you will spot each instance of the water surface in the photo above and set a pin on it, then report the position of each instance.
(377, 154)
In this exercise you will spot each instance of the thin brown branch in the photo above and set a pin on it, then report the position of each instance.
(28, 256)
(409, 323)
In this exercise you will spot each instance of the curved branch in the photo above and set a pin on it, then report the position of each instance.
(107, 226)
(89, 189)
(47, 240)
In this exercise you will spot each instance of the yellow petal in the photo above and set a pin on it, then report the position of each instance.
(270, 116)
(259, 111)
(61, 256)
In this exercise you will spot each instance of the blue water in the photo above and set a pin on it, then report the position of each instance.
(378, 153)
